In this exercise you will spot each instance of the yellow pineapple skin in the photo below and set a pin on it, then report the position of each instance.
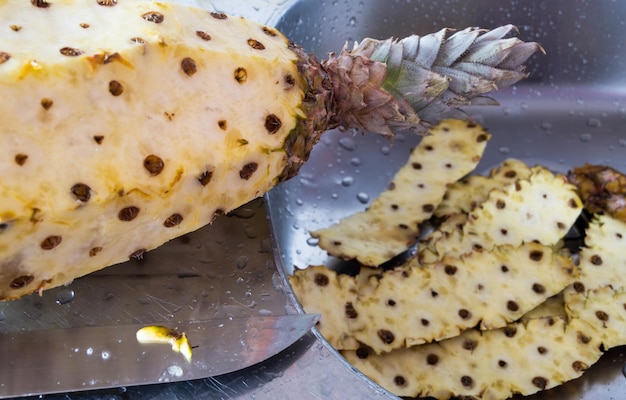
(125, 126)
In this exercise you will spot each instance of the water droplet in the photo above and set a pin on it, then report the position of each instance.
(299, 202)
(64, 296)
(266, 246)
(385, 150)
(362, 197)
(175, 370)
(347, 143)
(352, 21)
(622, 142)
(264, 312)
(243, 212)
(334, 196)
(251, 232)
(242, 261)
(355, 161)
(594, 123)
(277, 282)
(105, 355)
(399, 137)
(239, 280)
(347, 181)
(586, 137)
(504, 150)
(3, 316)
(295, 226)
(546, 126)
(312, 241)
(89, 351)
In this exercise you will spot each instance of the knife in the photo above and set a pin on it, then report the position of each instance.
(64, 360)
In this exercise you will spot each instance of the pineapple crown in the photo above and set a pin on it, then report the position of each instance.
(413, 83)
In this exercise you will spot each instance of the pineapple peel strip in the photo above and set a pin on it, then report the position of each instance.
(412, 305)
(390, 224)
(465, 195)
(540, 208)
(520, 358)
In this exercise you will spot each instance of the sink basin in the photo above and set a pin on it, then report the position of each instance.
(571, 110)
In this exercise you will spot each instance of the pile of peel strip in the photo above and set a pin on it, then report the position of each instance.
(552, 344)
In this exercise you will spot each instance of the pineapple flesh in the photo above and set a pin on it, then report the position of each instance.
(100, 162)
(125, 124)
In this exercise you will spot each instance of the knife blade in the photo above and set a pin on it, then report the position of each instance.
(88, 358)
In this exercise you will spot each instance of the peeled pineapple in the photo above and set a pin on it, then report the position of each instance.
(125, 124)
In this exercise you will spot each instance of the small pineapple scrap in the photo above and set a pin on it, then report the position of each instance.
(602, 188)
(391, 223)
(164, 335)
(419, 304)
(466, 194)
(541, 208)
(521, 358)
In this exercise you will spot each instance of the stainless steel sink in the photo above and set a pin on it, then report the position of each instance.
(571, 110)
